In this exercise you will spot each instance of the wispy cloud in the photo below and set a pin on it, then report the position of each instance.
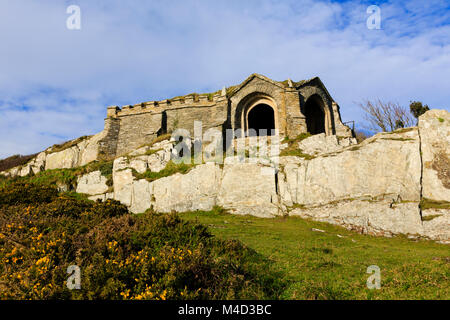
(55, 83)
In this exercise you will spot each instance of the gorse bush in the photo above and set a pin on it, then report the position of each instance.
(121, 256)
(26, 193)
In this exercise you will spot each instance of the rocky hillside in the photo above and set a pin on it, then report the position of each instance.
(392, 183)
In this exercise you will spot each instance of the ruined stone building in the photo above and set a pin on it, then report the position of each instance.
(257, 103)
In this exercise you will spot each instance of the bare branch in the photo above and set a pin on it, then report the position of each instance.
(385, 116)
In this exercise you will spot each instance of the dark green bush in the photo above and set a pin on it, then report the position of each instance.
(121, 256)
(26, 193)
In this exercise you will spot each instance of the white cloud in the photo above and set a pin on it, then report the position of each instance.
(134, 51)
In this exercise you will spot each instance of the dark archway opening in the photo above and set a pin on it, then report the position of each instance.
(261, 117)
(315, 117)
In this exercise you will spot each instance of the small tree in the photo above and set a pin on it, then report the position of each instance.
(385, 116)
(417, 109)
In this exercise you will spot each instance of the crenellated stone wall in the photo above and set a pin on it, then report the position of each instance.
(131, 126)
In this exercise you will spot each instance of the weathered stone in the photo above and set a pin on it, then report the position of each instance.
(65, 159)
(434, 128)
(436, 224)
(89, 149)
(380, 166)
(123, 181)
(378, 218)
(139, 164)
(321, 143)
(141, 196)
(248, 188)
(140, 151)
(196, 190)
(25, 170)
(158, 160)
(92, 183)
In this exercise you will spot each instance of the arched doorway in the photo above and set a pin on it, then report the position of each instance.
(315, 115)
(261, 117)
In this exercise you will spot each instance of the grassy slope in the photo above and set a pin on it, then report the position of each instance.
(324, 266)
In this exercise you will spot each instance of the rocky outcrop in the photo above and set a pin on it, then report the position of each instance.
(434, 128)
(77, 155)
(385, 165)
(373, 187)
(321, 143)
(196, 190)
(92, 184)
(383, 217)
(249, 188)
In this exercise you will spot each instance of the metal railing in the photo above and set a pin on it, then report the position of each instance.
(353, 124)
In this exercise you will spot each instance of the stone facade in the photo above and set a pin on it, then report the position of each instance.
(294, 107)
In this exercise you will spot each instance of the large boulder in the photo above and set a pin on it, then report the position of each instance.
(434, 128)
(89, 149)
(92, 183)
(436, 224)
(65, 159)
(379, 218)
(123, 181)
(385, 165)
(321, 143)
(196, 190)
(249, 188)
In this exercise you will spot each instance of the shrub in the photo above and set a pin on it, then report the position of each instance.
(121, 256)
(26, 193)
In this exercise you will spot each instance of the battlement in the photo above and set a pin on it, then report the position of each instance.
(191, 100)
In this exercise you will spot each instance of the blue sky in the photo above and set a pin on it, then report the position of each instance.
(55, 83)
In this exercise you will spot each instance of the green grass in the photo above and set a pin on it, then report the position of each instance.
(293, 149)
(320, 265)
(68, 144)
(170, 169)
(431, 217)
(441, 120)
(64, 176)
(433, 204)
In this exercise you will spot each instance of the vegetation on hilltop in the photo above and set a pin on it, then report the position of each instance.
(15, 161)
(67, 177)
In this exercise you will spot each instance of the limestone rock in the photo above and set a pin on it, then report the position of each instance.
(65, 159)
(89, 149)
(380, 166)
(321, 143)
(140, 151)
(196, 190)
(434, 128)
(249, 188)
(436, 224)
(123, 181)
(158, 160)
(92, 183)
(378, 218)
(139, 164)
(141, 196)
